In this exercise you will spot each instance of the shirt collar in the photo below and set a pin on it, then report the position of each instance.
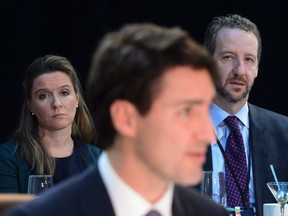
(218, 115)
(133, 204)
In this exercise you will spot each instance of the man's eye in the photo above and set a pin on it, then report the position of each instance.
(226, 58)
(185, 111)
(250, 60)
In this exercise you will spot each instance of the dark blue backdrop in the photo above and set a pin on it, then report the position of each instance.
(32, 28)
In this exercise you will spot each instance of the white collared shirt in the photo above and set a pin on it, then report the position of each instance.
(125, 200)
(222, 131)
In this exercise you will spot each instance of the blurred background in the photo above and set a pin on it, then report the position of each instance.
(33, 28)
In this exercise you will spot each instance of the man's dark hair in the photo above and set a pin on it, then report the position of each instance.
(233, 21)
(128, 65)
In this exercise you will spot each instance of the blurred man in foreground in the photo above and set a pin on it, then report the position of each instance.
(149, 91)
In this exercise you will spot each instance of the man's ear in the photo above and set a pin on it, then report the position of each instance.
(256, 71)
(256, 74)
(123, 115)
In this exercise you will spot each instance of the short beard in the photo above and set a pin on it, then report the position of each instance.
(229, 97)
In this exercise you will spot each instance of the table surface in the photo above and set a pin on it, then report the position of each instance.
(7, 201)
(15, 197)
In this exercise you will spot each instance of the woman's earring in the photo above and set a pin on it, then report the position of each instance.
(32, 113)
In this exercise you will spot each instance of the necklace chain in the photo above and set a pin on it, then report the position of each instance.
(63, 153)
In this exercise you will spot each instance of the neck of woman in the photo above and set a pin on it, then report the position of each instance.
(58, 145)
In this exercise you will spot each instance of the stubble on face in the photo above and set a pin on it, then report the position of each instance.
(233, 96)
(232, 46)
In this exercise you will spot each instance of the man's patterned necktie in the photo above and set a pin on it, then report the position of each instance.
(235, 153)
(153, 213)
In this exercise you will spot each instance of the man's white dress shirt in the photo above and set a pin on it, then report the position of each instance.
(125, 200)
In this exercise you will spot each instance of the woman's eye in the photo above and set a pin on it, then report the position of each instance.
(42, 96)
(65, 93)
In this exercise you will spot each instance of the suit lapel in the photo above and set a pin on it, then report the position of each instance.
(257, 138)
(179, 205)
(98, 199)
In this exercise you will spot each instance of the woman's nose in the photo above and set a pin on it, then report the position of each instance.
(56, 103)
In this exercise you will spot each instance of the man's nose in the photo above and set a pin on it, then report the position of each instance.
(239, 67)
(206, 132)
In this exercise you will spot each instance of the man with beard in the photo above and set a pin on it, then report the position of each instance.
(235, 44)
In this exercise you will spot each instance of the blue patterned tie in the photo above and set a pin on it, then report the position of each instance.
(153, 213)
(236, 156)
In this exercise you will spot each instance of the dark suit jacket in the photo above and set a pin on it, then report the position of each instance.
(86, 195)
(268, 141)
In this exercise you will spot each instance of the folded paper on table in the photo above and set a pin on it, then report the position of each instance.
(273, 209)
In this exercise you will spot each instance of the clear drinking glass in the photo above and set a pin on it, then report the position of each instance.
(39, 183)
(280, 192)
(213, 186)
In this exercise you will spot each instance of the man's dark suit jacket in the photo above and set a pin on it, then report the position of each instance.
(268, 142)
(86, 195)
